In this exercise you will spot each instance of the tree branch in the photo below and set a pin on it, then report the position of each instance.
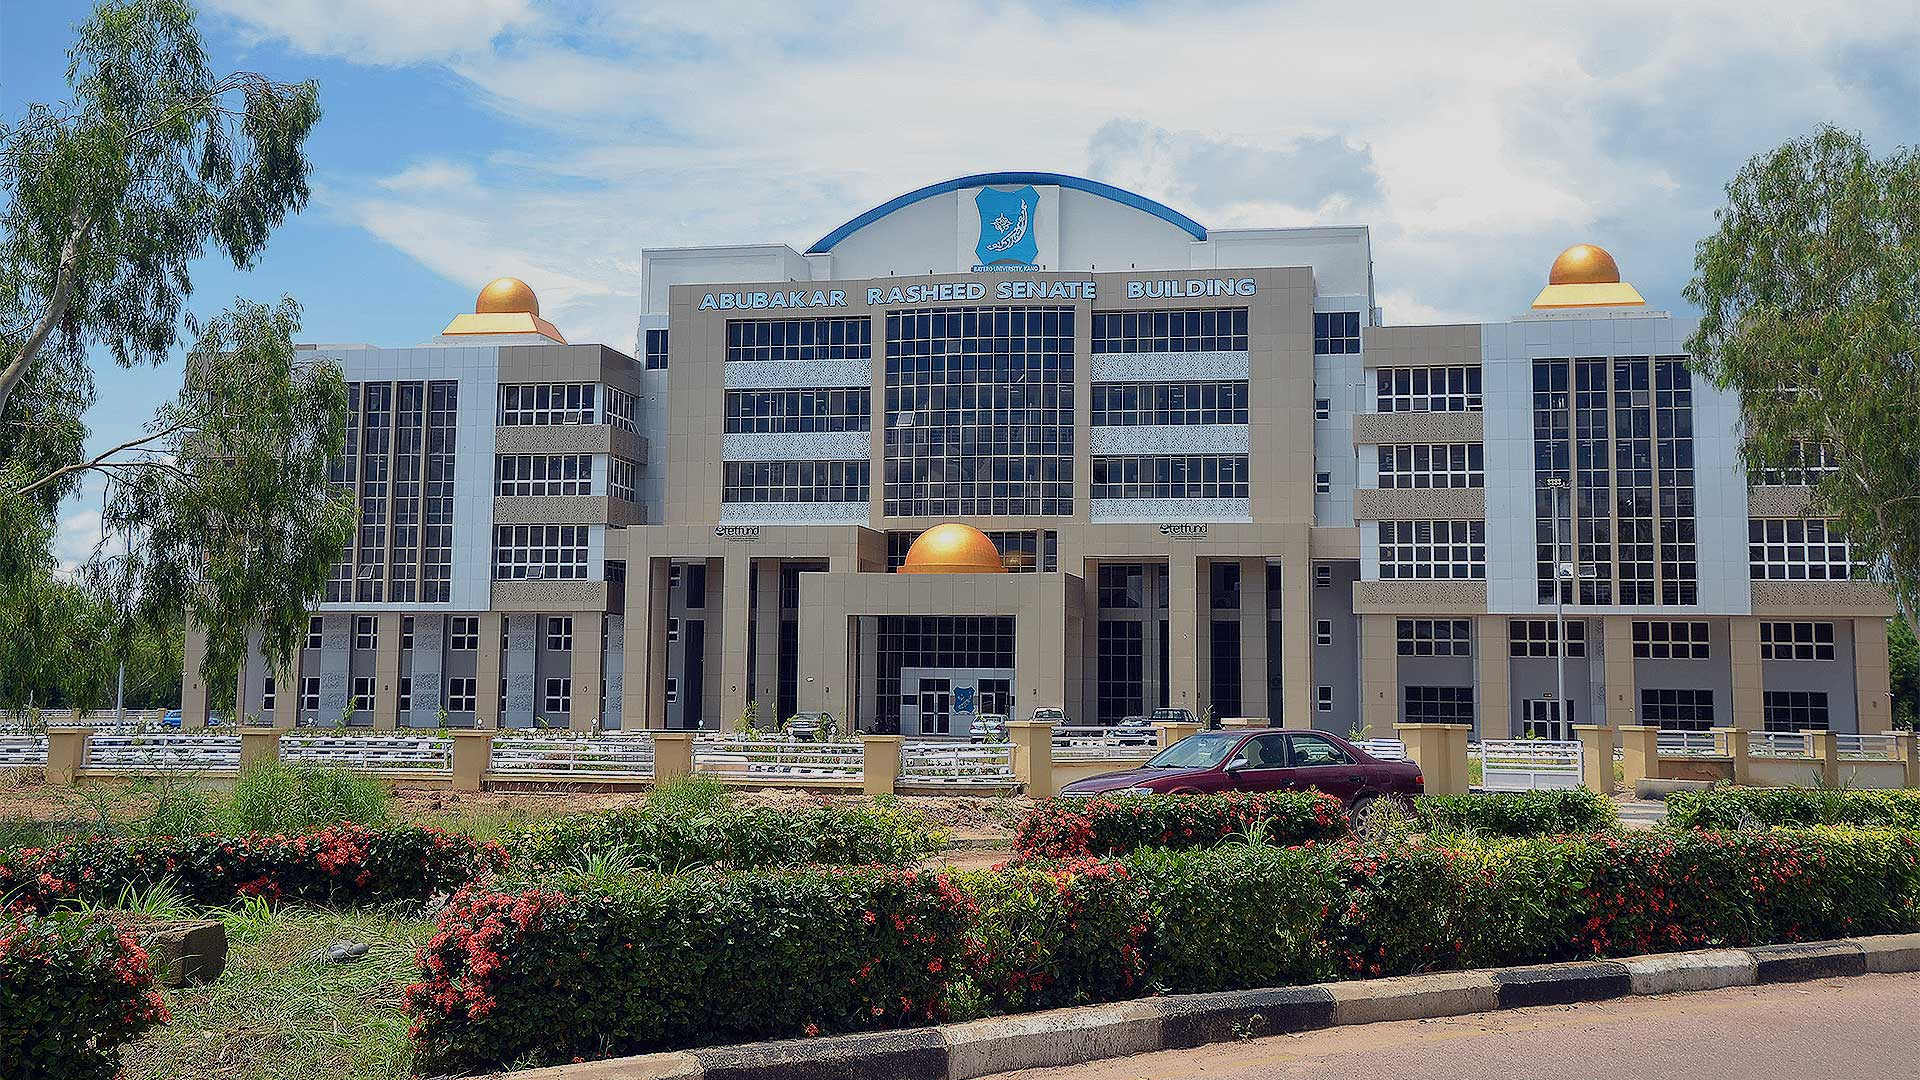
(101, 461)
(16, 368)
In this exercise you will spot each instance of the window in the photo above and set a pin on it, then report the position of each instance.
(406, 693)
(1677, 710)
(1541, 637)
(673, 629)
(543, 474)
(673, 690)
(1796, 641)
(551, 403)
(1137, 404)
(842, 338)
(406, 633)
(1322, 409)
(1323, 633)
(366, 633)
(1433, 637)
(1323, 483)
(1794, 710)
(1191, 476)
(1323, 576)
(362, 694)
(620, 478)
(462, 695)
(1804, 466)
(1265, 752)
(558, 699)
(1435, 389)
(656, 350)
(620, 410)
(1336, 332)
(1794, 549)
(1443, 465)
(310, 693)
(559, 633)
(781, 412)
(1670, 641)
(266, 695)
(794, 482)
(536, 552)
(1324, 698)
(1122, 586)
(463, 634)
(1433, 550)
(1438, 705)
(1186, 330)
(1120, 669)
(316, 637)
(1310, 751)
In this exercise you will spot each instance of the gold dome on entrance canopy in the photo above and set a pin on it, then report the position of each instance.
(1586, 276)
(504, 295)
(953, 548)
(505, 306)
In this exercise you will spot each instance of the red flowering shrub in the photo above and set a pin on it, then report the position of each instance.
(1062, 935)
(1117, 824)
(655, 963)
(337, 864)
(72, 990)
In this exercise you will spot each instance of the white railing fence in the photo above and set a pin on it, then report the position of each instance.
(1529, 765)
(190, 753)
(777, 758)
(1778, 744)
(1867, 748)
(1689, 744)
(939, 764)
(21, 750)
(425, 752)
(1098, 743)
(1384, 749)
(607, 756)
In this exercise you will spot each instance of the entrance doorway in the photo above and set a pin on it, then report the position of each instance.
(1541, 718)
(936, 703)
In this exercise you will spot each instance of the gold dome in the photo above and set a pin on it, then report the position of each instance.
(953, 548)
(507, 295)
(1584, 264)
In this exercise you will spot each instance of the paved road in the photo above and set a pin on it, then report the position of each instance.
(1839, 1029)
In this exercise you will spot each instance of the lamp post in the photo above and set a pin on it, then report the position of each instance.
(1562, 573)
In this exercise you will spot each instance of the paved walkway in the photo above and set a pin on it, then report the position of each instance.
(1829, 1030)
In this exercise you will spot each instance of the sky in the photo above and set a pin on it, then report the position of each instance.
(554, 140)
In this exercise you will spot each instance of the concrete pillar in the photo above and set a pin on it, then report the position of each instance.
(585, 706)
(472, 755)
(1616, 638)
(1596, 757)
(1907, 745)
(1296, 630)
(1641, 747)
(193, 688)
(766, 639)
(1822, 748)
(1735, 742)
(1033, 756)
(486, 673)
(66, 755)
(643, 677)
(258, 744)
(1872, 675)
(1748, 712)
(1183, 629)
(1493, 704)
(1441, 752)
(1253, 637)
(737, 574)
(1172, 731)
(672, 755)
(1379, 677)
(1243, 723)
(880, 763)
(386, 672)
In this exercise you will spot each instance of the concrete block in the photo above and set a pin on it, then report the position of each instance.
(1198, 1019)
(1815, 960)
(186, 952)
(1413, 997)
(1891, 952)
(678, 1065)
(1052, 1038)
(1561, 984)
(1677, 973)
(919, 1054)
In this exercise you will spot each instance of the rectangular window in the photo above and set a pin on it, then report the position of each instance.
(620, 410)
(673, 629)
(621, 475)
(1428, 389)
(316, 637)
(1796, 641)
(1796, 549)
(1794, 710)
(794, 482)
(656, 350)
(362, 694)
(1670, 641)
(406, 693)
(1122, 586)
(1438, 465)
(540, 552)
(1323, 576)
(1323, 698)
(543, 474)
(1323, 483)
(1433, 637)
(1336, 332)
(558, 700)
(549, 403)
(841, 338)
(559, 633)
(1323, 633)
(366, 633)
(673, 690)
(1439, 704)
(266, 695)
(463, 633)
(406, 633)
(788, 412)
(1805, 465)
(1433, 550)
(1121, 670)
(1157, 404)
(1677, 710)
(1189, 476)
(1183, 330)
(462, 695)
(310, 693)
(1541, 637)
(1322, 409)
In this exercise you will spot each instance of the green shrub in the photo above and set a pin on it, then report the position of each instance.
(1060, 935)
(1235, 916)
(275, 797)
(691, 795)
(540, 977)
(72, 991)
(1117, 824)
(1517, 813)
(180, 808)
(1746, 808)
(734, 837)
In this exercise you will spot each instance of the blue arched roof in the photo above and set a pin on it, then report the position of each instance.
(1078, 183)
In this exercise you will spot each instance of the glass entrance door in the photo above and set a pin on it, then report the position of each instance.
(1540, 719)
(936, 701)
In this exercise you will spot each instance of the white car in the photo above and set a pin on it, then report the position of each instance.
(989, 727)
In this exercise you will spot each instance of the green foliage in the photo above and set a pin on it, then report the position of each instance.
(749, 717)
(684, 832)
(693, 795)
(180, 808)
(1231, 917)
(1809, 293)
(1060, 935)
(73, 990)
(1517, 813)
(1116, 824)
(1751, 808)
(1903, 670)
(275, 797)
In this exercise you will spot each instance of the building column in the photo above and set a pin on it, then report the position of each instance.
(1183, 629)
(1493, 702)
(1253, 637)
(1616, 643)
(585, 705)
(766, 639)
(643, 675)
(1296, 632)
(486, 673)
(386, 672)
(193, 688)
(286, 687)
(1379, 676)
(1748, 710)
(1871, 675)
(736, 572)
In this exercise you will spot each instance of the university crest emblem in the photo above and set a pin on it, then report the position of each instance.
(1006, 226)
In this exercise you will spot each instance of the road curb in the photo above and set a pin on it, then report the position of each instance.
(1182, 1021)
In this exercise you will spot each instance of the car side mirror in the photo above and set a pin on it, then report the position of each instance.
(1236, 764)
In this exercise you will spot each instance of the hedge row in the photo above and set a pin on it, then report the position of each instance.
(1116, 824)
(1518, 813)
(72, 990)
(1743, 808)
(670, 839)
(338, 864)
(542, 976)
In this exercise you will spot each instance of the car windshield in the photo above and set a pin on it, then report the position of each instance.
(1201, 751)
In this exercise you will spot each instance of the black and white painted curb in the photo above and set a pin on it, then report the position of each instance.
(1176, 1022)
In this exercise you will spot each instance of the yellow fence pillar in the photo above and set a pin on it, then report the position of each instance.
(1596, 757)
(1172, 731)
(880, 763)
(260, 744)
(472, 757)
(1734, 740)
(1033, 756)
(1441, 752)
(1821, 747)
(66, 755)
(672, 755)
(1640, 748)
(1908, 743)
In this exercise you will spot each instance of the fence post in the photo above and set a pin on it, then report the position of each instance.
(1596, 757)
(1441, 752)
(672, 755)
(1242, 723)
(66, 755)
(472, 757)
(1822, 748)
(260, 744)
(1172, 731)
(1907, 745)
(1640, 746)
(880, 763)
(1033, 756)
(1735, 741)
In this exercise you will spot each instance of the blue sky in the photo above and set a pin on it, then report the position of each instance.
(554, 140)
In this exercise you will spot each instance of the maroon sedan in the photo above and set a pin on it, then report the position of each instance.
(1263, 760)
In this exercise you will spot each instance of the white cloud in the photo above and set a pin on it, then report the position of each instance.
(381, 31)
(75, 536)
(431, 176)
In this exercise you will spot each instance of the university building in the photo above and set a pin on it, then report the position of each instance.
(1023, 440)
